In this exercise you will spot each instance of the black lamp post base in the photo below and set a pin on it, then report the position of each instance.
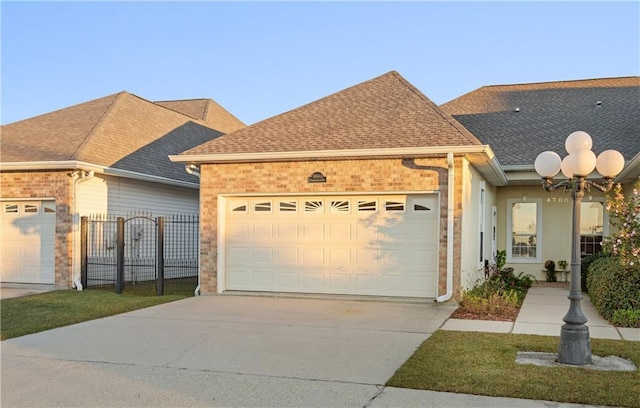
(575, 346)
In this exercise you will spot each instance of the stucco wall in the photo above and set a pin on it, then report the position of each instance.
(350, 176)
(555, 242)
(48, 184)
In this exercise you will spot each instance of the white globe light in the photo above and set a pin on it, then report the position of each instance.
(582, 162)
(578, 140)
(547, 164)
(610, 163)
(564, 167)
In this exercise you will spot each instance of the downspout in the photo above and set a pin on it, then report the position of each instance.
(450, 219)
(77, 176)
(194, 170)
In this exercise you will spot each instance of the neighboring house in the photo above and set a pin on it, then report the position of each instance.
(362, 192)
(108, 155)
(521, 121)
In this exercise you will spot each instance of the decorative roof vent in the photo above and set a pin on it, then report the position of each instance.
(516, 110)
(599, 103)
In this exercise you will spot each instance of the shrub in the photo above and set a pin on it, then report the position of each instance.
(626, 318)
(584, 268)
(613, 286)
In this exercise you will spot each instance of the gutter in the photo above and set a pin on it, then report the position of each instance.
(329, 154)
(78, 176)
(195, 171)
(450, 214)
(97, 169)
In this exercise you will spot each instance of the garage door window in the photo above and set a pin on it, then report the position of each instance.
(339, 206)
(288, 206)
(367, 205)
(29, 208)
(393, 206)
(11, 208)
(313, 206)
(262, 207)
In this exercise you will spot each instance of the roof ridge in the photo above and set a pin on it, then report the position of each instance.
(84, 144)
(463, 131)
(567, 81)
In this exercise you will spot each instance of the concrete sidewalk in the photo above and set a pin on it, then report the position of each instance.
(542, 313)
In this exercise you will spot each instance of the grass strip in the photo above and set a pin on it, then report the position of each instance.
(484, 364)
(44, 311)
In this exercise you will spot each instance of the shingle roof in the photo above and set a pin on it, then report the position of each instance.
(206, 110)
(121, 131)
(548, 113)
(384, 112)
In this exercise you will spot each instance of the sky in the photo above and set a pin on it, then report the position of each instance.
(260, 59)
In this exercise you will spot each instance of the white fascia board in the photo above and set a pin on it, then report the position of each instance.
(80, 165)
(326, 154)
(631, 171)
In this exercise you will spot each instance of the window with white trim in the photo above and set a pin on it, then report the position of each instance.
(524, 227)
(481, 218)
(592, 227)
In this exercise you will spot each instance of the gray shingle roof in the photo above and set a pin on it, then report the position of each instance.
(384, 112)
(548, 113)
(121, 131)
(206, 110)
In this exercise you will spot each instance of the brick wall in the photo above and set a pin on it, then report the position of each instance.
(48, 184)
(353, 176)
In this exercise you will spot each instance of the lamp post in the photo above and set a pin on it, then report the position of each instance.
(575, 347)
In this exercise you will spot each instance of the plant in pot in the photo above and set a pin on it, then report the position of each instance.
(550, 267)
(563, 268)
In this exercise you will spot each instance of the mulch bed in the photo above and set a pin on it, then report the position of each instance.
(506, 314)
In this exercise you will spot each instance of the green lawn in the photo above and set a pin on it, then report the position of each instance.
(44, 311)
(484, 364)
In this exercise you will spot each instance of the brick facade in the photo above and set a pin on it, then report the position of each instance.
(351, 176)
(48, 185)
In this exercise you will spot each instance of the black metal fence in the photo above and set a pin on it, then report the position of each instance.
(159, 253)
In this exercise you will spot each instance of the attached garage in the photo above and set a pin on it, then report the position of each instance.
(28, 244)
(382, 245)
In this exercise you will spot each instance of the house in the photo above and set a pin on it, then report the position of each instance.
(107, 155)
(375, 190)
(521, 121)
(362, 192)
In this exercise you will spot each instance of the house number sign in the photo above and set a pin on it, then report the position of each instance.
(561, 200)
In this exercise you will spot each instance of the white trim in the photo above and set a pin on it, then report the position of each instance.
(325, 154)
(509, 232)
(27, 199)
(328, 193)
(80, 165)
(482, 208)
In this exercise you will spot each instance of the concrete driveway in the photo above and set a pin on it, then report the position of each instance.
(221, 351)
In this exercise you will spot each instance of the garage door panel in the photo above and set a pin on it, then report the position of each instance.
(313, 280)
(367, 245)
(313, 256)
(339, 256)
(313, 231)
(287, 279)
(288, 231)
(287, 256)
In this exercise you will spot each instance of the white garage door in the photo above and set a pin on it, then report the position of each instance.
(364, 245)
(28, 232)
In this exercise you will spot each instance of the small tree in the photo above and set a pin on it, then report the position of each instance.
(624, 214)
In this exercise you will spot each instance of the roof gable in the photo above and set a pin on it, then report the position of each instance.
(384, 112)
(521, 121)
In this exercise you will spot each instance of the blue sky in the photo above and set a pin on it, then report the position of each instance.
(259, 59)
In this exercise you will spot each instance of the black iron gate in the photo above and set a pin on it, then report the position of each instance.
(152, 252)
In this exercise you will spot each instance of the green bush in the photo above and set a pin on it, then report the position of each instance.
(584, 268)
(613, 287)
(626, 318)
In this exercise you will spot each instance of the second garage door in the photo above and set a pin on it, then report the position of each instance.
(363, 245)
